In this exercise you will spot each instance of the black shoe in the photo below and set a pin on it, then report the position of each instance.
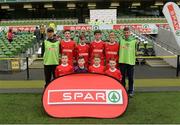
(131, 94)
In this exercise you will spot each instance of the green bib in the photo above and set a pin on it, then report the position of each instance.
(51, 54)
(127, 52)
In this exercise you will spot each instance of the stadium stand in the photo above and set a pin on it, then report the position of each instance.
(137, 20)
(38, 22)
(20, 44)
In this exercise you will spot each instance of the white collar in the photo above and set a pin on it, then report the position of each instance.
(67, 40)
(112, 70)
(82, 45)
(97, 41)
(96, 66)
(111, 43)
(64, 65)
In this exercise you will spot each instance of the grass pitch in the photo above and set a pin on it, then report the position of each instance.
(158, 107)
(8, 84)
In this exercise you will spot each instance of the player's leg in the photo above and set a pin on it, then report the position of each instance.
(53, 70)
(130, 74)
(47, 74)
(122, 68)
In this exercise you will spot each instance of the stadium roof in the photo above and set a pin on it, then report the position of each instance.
(12, 8)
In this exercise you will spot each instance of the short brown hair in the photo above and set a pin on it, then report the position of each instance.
(82, 36)
(112, 59)
(66, 31)
(64, 54)
(80, 57)
(97, 31)
(96, 56)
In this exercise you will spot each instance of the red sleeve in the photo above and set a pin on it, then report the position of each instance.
(61, 46)
(90, 49)
(89, 69)
(74, 50)
(118, 51)
(104, 69)
(106, 72)
(71, 71)
(103, 48)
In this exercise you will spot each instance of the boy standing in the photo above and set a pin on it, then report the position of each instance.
(82, 49)
(97, 47)
(50, 54)
(111, 49)
(68, 47)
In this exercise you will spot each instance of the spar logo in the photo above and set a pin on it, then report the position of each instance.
(84, 96)
(114, 96)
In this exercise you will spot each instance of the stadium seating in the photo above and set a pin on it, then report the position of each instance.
(39, 22)
(141, 20)
(19, 45)
(137, 20)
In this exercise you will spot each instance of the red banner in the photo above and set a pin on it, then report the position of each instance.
(80, 27)
(173, 17)
(80, 95)
(30, 28)
(142, 28)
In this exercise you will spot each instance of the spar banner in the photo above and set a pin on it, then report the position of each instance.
(150, 28)
(172, 13)
(85, 95)
(77, 27)
(25, 28)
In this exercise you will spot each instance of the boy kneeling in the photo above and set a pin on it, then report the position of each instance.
(80, 68)
(64, 68)
(113, 71)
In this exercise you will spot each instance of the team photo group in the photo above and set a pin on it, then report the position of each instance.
(113, 58)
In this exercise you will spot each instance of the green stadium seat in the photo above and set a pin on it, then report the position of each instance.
(8, 53)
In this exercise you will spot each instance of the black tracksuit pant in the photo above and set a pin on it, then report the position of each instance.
(49, 73)
(127, 70)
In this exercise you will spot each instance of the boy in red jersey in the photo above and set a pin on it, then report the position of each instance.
(68, 47)
(111, 49)
(64, 68)
(82, 49)
(97, 47)
(113, 71)
(97, 67)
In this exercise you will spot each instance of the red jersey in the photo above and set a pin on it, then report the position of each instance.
(82, 50)
(111, 51)
(97, 48)
(63, 70)
(68, 48)
(99, 69)
(116, 73)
